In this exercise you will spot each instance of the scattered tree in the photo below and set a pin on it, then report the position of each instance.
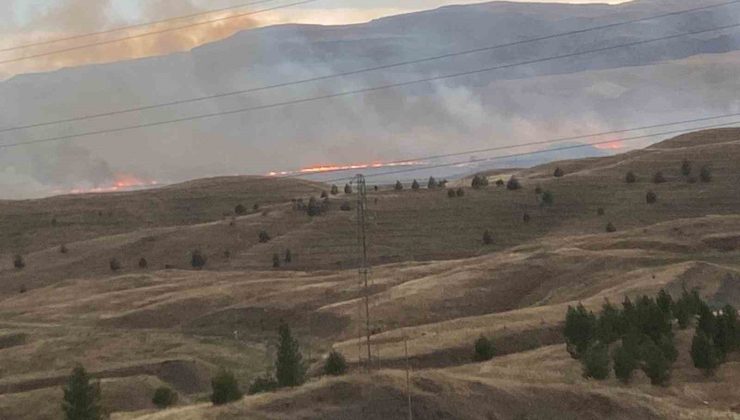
(143, 263)
(114, 264)
(81, 397)
(538, 190)
(483, 349)
(265, 383)
(22, 289)
(513, 184)
(197, 259)
(658, 178)
(18, 262)
(596, 362)
(347, 189)
(580, 329)
(686, 168)
(600, 211)
(500, 182)
(610, 227)
(289, 368)
(451, 193)
(705, 174)
(526, 218)
(432, 183)
(314, 207)
(240, 210)
(335, 364)
(256, 206)
(63, 249)
(487, 238)
(345, 206)
(547, 198)
(334, 189)
(479, 181)
(275, 261)
(630, 178)
(415, 185)
(609, 326)
(460, 192)
(164, 397)
(324, 194)
(225, 388)
(625, 363)
(656, 366)
(398, 186)
(704, 354)
(558, 173)
(651, 197)
(263, 236)
(288, 256)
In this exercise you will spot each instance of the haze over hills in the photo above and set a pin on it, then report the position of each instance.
(682, 78)
(434, 283)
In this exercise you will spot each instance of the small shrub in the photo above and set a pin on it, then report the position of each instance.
(479, 181)
(347, 189)
(558, 173)
(547, 198)
(483, 349)
(275, 261)
(432, 183)
(513, 184)
(265, 383)
(225, 388)
(63, 249)
(500, 182)
(114, 264)
(334, 190)
(658, 178)
(345, 206)
(651, 197)
(600, 211)
(18, 262)
(22, 289)
(596, 362)
(324, 194)
(288, 256)
(143, 263)
(314, 207)
(610, 227)
(197, 259)
(630, 178)
(538, 190)
(685, 168)
(256, 207)
(398, 186)
(335, 364)
(240, 210)
(451, 193)
(526, 218)
(263, 237)
(487, 238)
(460, 192)
(164, 397)
(705, 175)
(415, 185)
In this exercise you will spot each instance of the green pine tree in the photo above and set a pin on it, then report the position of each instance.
(289, 368)
(81, 398)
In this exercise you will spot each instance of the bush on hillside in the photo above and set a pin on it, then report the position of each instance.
(685, 168)
(651, 197)
(335, 364)
(275, 261)
(479, 181)
(526, 218)
(630, 178)
(164, 397)
(658, 178)
(18, 262)
(334, 190)
(240, 210)
(347, 189)
(451, 193)
(398, 186)
(143, 263)
(487, 238)
(460, 192)
(314, 207)
(547, 199)
(263, 236)
(610, 227)
(600, 211)
(114, 264)
(415, 185)
(500, 182)
(483, 349)
(558, 172)
(198, 259)
(513, 184)
(705, 174)
(288, 256)
(345, 206)
(225, 388)
(63, 249)
(324, 194)
(81, 397)
(432, 183)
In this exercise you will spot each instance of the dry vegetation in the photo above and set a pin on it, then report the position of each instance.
(434, 282)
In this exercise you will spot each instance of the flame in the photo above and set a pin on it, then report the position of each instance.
(614, 145)
(122, 182)
(317, 169)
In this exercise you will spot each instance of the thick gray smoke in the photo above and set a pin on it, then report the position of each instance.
(687, 78)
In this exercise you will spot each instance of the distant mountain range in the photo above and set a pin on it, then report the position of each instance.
(681, 78)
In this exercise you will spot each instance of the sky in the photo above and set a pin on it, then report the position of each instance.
(32, 21)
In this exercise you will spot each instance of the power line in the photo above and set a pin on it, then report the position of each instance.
(535, 152)
(177, 28)
(359, 71)
(125, 28)
(359, 91)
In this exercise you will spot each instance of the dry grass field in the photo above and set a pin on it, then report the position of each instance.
(433, 283)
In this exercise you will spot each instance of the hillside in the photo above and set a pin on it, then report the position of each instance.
(434, 284)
